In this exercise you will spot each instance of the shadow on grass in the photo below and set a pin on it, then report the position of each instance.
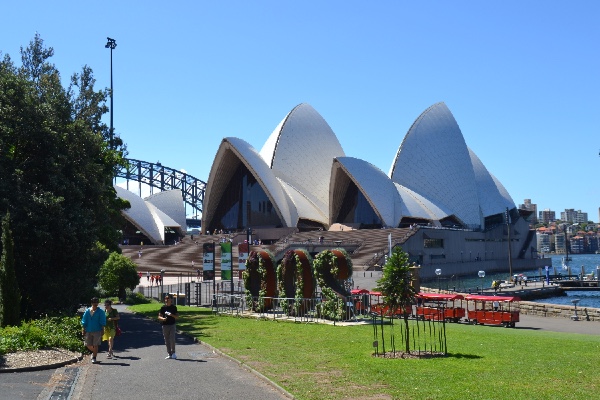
(460, 355)
(528, 328)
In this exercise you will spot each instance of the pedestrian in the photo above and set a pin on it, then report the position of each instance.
(140, 253)
(110, 330)
(152, 280)
(92, 323)
(167, 316)
(148, 276)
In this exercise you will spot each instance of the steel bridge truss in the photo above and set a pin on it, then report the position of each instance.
(156, 175)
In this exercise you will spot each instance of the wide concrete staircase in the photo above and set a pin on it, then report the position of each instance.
(366, 247)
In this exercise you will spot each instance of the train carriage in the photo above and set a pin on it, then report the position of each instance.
(493, 310)
(380, 308)
(440, 307)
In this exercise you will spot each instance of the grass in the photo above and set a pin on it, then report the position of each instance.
(314, 361)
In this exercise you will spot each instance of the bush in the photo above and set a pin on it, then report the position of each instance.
(59, 332)
(136, 298)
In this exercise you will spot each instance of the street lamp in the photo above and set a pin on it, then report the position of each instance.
(438, 272)
(481, 275)
(111, 44)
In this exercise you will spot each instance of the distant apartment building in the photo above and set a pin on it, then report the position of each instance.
(575, 217)
(547, 216)
(577, 245)
(591, 242)
(527, 205)
(544, 245)
(560, 244)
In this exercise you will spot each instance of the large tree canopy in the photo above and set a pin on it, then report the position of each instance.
(56, 172)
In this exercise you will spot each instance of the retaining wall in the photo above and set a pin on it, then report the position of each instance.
(559, 311)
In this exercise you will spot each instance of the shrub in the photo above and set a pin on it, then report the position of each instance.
(136, 298)
(59, 332)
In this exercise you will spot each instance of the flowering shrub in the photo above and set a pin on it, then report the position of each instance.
(331, 266)
(259, 280)
(294, 279)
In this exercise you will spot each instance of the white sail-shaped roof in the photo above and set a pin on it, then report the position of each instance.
(230, 153)
(300, 152)
(171, 203)
(417, 206)
(377, 188)
(304, 207)
(433, 160)
(140, 215)
(493, 197)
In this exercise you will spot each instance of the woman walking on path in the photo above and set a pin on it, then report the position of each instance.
(110, 330)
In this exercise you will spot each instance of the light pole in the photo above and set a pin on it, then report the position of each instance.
(438, 272)
(111, 44)
(507, 215)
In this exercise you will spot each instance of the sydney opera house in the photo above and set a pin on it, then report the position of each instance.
(301, 179)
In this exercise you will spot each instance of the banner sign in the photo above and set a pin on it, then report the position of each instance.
(226, 265)
(208, 262)
(242, 255)
(243, 251)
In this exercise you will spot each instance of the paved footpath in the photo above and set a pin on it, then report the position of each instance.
(140, 371)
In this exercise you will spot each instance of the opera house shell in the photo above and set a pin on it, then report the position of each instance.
(301, 178)
(156, 220)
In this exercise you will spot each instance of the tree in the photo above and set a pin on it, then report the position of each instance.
(117, 274)
(10, 296)
(396, 285)
(57, 170)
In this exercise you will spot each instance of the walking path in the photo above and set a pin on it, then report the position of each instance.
(140, 371)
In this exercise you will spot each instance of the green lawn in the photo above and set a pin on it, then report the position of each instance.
(335, 362)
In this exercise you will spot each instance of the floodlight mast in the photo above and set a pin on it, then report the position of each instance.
(111, 44)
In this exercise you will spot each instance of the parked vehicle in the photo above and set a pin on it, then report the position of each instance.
(493, 310)
(440, 307)
(378, 307)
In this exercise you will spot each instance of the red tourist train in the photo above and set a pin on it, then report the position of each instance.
(440, 307)
(378, 307)
(493, 310)
(474, 309)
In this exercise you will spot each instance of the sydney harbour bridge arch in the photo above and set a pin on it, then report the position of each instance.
(157, 176)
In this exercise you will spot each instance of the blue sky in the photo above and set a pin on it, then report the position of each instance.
(521, 78)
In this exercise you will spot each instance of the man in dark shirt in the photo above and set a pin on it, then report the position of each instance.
(167, 316)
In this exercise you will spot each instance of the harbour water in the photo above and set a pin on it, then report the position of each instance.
(587, 262)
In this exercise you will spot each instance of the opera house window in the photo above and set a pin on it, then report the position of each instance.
(433, 243)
